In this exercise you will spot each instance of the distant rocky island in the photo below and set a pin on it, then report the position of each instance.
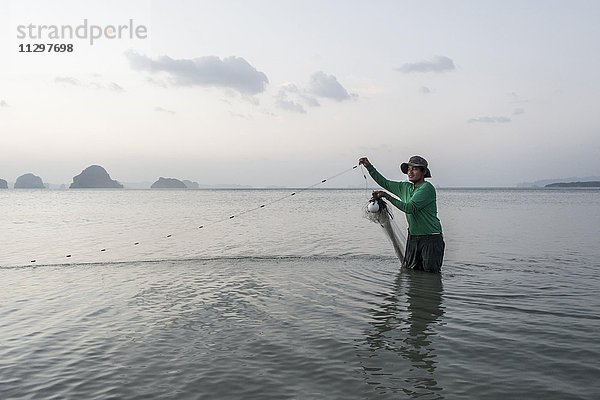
(191, 185)
(172, 183)
(94, 177)
(29, 181)
(168, 183)
(590, 184)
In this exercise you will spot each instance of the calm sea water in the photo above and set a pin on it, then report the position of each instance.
(302, 299)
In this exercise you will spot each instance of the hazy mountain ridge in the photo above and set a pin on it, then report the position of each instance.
(544, 182)
(578, 184)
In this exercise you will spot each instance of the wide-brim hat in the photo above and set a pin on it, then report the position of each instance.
(416, 161)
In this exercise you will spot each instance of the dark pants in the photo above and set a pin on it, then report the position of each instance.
(424, 252)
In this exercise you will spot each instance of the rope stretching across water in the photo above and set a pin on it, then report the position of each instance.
(232, 216)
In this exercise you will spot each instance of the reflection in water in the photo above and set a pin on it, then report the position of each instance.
(403, 326)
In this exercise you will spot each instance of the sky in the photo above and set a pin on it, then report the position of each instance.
(286, 93)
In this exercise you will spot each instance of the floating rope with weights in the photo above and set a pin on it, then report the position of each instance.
(230, 217)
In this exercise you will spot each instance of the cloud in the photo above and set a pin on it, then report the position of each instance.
(157, 82)
(327, 86)
(290, 106)
(516, 98)
(238, 115)
(293, 98)
(518, 111)
(67, 80)
(230, 72)
(490, 120)
(3, 103)
(437, 64)
(290, 98)
(112, 86)
(115, 87)
(163, 110)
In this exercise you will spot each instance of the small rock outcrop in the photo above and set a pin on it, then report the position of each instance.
(3, 184)
(94, 177)
(29, 181)
(191, 185)
(168, 183)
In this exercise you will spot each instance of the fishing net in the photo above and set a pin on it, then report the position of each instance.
(378, 211)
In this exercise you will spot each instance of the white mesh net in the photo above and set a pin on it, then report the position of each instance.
(385, 218)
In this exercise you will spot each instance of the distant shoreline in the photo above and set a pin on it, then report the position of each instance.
(578, 185)
(444, 188)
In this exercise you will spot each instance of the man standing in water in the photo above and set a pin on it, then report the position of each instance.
(425, 243)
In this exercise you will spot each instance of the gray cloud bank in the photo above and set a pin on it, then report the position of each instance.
(327, 86)
(437, 64)
(283, 99)
(293, 98)
(230, 72)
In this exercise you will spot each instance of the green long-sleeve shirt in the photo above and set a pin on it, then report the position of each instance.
(418, 204)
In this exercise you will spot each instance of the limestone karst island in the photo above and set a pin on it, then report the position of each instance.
(95, 177)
